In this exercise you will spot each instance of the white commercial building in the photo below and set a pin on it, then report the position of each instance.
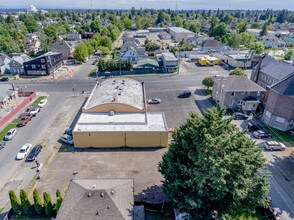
(179, 33)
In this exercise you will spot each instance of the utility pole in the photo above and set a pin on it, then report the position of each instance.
(119, 67)
(219, 92)
(179, 62)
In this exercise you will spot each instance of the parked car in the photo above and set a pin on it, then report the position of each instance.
(10, 134)
(23, 151)
(68, 131)
(34, 111)
(274, 145)
(291, 132)
(67, 139)
(185, 94)
(253, 127)
(42, 103)
(240, 116)
(3, 79)
(23, 115)
(261, 134)
(34, 153)
(154, 101)
(2, 144)
(23, 121)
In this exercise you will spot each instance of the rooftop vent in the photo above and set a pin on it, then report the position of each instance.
(112, 192)
(89, 194)
(123, 80)
(116, 87)
(113, 100)
(111, 113)
(119, 93)
(94, 186)
(102, 194)
(113, 81)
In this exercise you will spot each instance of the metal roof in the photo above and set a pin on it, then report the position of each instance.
(147, 62)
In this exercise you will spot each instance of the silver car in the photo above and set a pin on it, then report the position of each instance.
(10, 134)
(274, 145)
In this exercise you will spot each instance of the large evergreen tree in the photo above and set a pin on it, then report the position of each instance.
(211, 166)
(38, 205)
(48, 205)
(15, 203)
(25, 203)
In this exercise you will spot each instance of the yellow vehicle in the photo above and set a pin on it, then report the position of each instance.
(208, 61)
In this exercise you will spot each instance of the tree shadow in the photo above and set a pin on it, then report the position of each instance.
(153, 195)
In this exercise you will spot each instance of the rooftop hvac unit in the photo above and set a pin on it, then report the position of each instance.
(111, 113)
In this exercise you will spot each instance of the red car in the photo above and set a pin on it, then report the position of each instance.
(24, 121)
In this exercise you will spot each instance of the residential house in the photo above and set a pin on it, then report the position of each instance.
(87, 35)
(164, 35)
(32, 43)
(134, 54)
(16, 63)
(8, 96)
(198, 40)
(239, 59)
(168, 61)
(43, 65)
(102, 199)
(279, 110)
(73, 37)
(237, 93)
(214, 46)
(272, 41)
(270, 71)
(179, 33)
(65, 47)
(4, 63)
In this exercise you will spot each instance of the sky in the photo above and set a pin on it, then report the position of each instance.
(127, 4)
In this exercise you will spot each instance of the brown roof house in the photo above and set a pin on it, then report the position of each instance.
(279, 110)
(103, 199)
(237, 93)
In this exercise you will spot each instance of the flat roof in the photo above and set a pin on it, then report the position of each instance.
(179, 30)
(169, 57)
(117, 90)
(120, 122)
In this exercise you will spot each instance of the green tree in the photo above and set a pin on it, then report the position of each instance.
(263, 31)
(58, 200)
(211, 166)
(234, 40)
(25, 203)
(106, 42)
(15, 203)
(238, 72)
(208, 82)
(38, 205)
(247, 39)
(95, 26)
(289, 54)
(195, 27)
(31, 24)
(258, 47)
(160, 17)
(48, 206)
(219, 30)
(242, 27)
(128, 23)
(81, 52)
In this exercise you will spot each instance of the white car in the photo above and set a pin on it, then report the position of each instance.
(25, 149)
(10, 134)
(154, 101)
(274, 145)
(34, 111)
(67, 139)
(42, 103)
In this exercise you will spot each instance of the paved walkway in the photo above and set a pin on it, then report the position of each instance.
(203, 101)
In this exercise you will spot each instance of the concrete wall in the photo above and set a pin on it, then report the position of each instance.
(120, 139)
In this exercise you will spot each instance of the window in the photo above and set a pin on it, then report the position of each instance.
(280, 119)
(43, 66)
(42, 60)
(258, 93)
(33, 66)
(268, 114)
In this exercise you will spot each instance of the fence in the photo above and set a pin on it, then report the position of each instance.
(131, 72)
(10, 115)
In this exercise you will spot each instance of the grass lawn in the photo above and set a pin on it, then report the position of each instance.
(36, 102)
(8, 127)
(283, 136)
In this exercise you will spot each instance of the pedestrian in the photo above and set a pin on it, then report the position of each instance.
(37, 163)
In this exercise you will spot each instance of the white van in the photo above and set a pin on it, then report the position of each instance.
(274, 145)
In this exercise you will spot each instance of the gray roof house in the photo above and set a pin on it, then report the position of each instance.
(16, 63)
(279, 110)
(4, 63)
(270, 71)
(237, 93)
(103, 199)
(64, 47)
(213, 45)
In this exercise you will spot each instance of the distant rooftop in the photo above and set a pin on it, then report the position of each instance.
(169, 57)
(180, 30)
(121, 122)
(118, 90)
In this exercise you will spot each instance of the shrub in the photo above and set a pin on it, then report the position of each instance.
(48, 206)
(15, 203)
(38, 206)
(25, 203)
